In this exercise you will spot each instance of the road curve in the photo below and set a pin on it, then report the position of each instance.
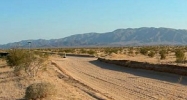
(120, 83)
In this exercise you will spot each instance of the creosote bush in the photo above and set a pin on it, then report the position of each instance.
(163, 54)
(83, 51)
(40, 91)
(136, 52)
(131, 51)
(111, 50)
(151, 54)
(180, 56)
(91, 52)
(143, 51)
(18, 59)
(24, 60)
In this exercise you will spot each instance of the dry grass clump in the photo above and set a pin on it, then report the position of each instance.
(40, 91)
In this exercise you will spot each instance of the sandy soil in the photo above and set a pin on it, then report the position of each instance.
(13, 87)
(170, 58)
(111, 82)
(140, 58)
(83, 78)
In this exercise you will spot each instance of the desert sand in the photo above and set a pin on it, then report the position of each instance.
(13, 87)
(85, 78)
(113, 82)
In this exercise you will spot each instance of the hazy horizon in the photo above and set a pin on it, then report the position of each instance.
(41, 19)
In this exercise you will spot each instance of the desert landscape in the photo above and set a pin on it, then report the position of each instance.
(81, 76)
(119, 83)
(93, 50)
(13, 87)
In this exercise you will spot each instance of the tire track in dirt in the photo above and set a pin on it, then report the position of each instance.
(90, 91)
(120, 85)
(129, 90)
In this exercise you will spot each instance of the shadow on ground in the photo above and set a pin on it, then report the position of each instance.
(141, 72)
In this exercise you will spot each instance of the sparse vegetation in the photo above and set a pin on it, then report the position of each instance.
(137, 52)
(91, 52)
(143, 51)
(83, 51)
(180, 56)
(163, 54)
(28, 61)
(23, 61)
(40, 91)
(18, 59)
(131, 52)
(151, 54)
(111, 50)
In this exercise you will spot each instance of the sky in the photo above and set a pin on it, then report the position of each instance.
(53, 19)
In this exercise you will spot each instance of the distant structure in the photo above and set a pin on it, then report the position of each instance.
(3, 54)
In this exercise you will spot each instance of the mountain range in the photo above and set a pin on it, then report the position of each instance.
(119, 37)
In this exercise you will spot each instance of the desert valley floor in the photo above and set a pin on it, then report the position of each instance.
(119, 83)
(85, 78)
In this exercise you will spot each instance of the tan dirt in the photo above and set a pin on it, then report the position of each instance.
(170, 58)
(13, 87)
(83, 78)
(119, 83)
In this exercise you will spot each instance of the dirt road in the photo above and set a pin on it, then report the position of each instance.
(119, 83)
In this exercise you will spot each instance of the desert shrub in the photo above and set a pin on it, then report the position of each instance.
(151, 54)
(131, 52)
(107, 51)
(28, 61)
(120, 50)
(2, 58)
(163, 54)
(39, 53)
(17, 59)
(180, 56)
(91, 52)
(83, 51)
(143, 51)
(114, 51)
(69, 50)
(136, 52)
(39, 91)
(111, 50)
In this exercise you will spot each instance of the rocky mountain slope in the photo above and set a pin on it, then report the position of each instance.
(119, 37)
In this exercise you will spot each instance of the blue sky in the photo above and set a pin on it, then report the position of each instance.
(50, 19)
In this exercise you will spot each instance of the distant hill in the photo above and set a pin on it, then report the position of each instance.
(119, 37)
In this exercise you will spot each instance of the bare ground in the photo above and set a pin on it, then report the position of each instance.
(113, 82)
(13, 87)
(83, 78)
